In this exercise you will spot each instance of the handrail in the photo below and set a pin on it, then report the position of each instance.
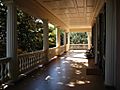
(28, 53)
(6, 59)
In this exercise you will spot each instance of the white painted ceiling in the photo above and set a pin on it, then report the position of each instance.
(74, 13)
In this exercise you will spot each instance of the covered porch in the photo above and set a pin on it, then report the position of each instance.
(51, 68)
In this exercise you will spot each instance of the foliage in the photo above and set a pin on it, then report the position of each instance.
(52, 36)
(30, 32)
(61, 37)
(3, 15)
(78, 38)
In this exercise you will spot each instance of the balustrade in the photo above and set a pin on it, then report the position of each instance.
(30, 60)
(62, 49)
(4, 70)
(52, 52)
(78, 46)
(27, 62)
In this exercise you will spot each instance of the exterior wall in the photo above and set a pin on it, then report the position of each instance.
(110, 69)
(118, 43)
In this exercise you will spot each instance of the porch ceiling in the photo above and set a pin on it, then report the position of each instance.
(73, 13)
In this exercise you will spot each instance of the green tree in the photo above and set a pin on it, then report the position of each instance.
(61, 37)
(3, 15)
(78, 38)
(30, 32)
(52, 36)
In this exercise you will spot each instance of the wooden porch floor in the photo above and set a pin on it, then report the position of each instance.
(68, 72)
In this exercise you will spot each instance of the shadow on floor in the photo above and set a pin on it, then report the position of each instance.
(68, 72)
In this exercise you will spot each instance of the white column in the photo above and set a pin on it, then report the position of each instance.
(45, 38)
(58, 41)
(68, 40)
(96, 42)
(117, 44)
(65, 41)
(12, 37)
(89, 39)
(57, 37)
(110, 44)
(65, 38)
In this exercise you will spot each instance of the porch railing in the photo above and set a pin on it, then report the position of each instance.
(52, 52)
(62, 49)
(27, 62)
(4, 70)
(78, 46)
(30, 60)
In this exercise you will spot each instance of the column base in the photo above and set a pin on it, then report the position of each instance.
(110, 87)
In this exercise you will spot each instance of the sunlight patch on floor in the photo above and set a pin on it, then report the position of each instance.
(80, 82)
(79, 60)
(77, 82)
(71, 84)
(78, 72)
(62, 57)
(76, 66)
(77, 50)
(60, 83)
(48, 78)
(82, 55)
(57, 68)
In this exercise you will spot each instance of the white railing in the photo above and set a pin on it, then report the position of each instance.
(4, 69)
(52, 52)
(30, 60)
(56, 51)
(78, 46)
(33, 59)
(62, 49)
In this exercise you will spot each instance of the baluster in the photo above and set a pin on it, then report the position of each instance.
(19, 65)
(22, 61)
(25, 62)
(1, 78)
(33, 59)
(5, 70)
(29, 62)
(27, 65)
(39, 58)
